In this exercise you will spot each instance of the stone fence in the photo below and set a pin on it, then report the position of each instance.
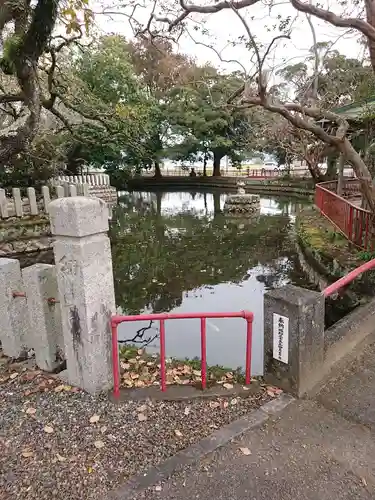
(33, 203)
(98, 185)
(62, 311)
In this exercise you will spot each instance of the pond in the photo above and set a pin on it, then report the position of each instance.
(177, 252)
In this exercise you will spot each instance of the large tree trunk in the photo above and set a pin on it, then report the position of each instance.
(157, 170)
(370, 18)
(217, 159)
(361, 171)
(340, 178)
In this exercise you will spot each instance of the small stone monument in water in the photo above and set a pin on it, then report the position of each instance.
(242, 204)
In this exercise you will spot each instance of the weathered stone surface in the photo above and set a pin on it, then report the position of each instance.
(45, 329)
(305, 311)
(74, 216)
(242, 204)
(85, 281)
(13, 313)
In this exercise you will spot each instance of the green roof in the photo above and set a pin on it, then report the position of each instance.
(357, 110)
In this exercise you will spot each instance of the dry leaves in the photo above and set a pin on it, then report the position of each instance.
(228, 386)
(273, 391)
(142, 417)
(48, 429)
(27, 453)
(245, 451)
(178, 433)
(30, 411)
(158, 487)
(94, 419)
(187, 410)
(13, 375)
(60, 458)
(99, 444)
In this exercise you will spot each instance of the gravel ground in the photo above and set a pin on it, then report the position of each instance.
(58, 442)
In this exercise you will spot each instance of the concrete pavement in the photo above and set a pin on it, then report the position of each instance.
(322, 449)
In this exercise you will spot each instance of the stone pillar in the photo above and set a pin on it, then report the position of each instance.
(45, 331)
(85, 281)
(13, 310)
(293, 338)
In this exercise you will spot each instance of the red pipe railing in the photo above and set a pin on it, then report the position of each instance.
(345, 280)
(354, 222)
(161, 317)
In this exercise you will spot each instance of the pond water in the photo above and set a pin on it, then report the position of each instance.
(176, 252)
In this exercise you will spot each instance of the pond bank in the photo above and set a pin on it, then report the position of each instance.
(326, 255)
(300, 187)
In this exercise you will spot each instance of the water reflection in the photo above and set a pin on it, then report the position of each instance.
(175, 251)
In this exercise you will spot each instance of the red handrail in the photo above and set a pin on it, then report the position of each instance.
(345, 280)
(354, 222)
(161, 317)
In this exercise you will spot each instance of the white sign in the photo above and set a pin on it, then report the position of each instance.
(280, 337)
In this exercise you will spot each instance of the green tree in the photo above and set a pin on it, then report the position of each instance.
(160, 70)
(208, 128)
(114, 112)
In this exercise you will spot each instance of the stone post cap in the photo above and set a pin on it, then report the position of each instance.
(78, 216)
(291, 294)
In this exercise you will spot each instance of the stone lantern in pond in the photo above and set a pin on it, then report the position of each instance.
(241, 204)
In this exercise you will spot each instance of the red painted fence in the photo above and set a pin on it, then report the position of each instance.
(354, 222)
(116, 320)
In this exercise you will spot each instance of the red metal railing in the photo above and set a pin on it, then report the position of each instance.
(116, 320)
(354, 222)
(345, 280)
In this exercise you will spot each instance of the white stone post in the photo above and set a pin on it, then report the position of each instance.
(45, 331)
(85, 281)
(13, 310)
(16, 193)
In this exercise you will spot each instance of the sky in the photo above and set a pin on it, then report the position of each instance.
(224, 27)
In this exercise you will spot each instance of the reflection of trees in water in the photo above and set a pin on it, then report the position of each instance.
(157, 258)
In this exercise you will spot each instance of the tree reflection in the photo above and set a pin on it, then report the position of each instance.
(158, 257)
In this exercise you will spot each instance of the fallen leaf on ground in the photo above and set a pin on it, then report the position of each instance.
(271, 393)
(27, 453)
(197, 373)
(225, 404)
(150, 363)
(187, 410)
(245, 387)
(229, 375)
(233, 401)
(134, 376)
(13, 375)
(89, 470)
(178, 433)
(245, 451)
(125, 366)
(133, 361)
(99, 444)
(59, 388)
(214, 404)
(48, 429)
(60, 458)
(103, 429)
(142, 417)
(158, 487)
(228, 386)
(278, 391)
(67, 387)
(140, 352)
(94, 419)
(142, 408)
(31, 411)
